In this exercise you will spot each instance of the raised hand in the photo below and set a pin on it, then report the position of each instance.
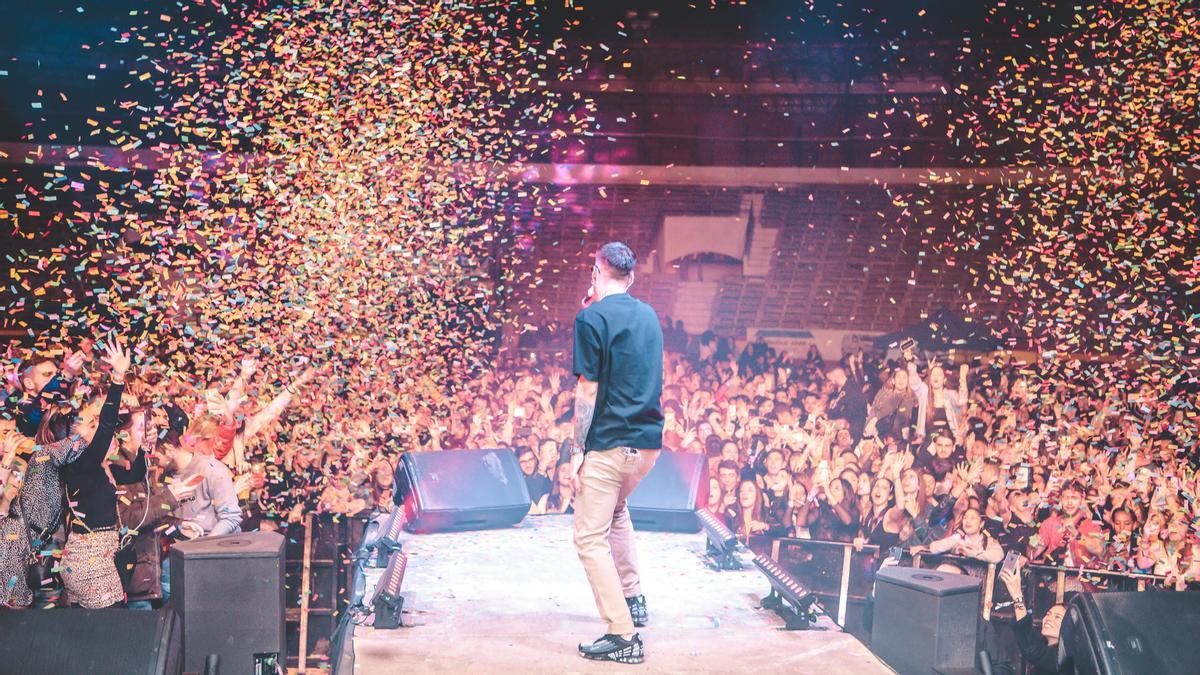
(117, 357)
(1012, 580)
(234, 403)
(72, 364)
(305, 377)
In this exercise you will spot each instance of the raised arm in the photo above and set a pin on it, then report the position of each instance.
(914, 381)
(271, 412)
(118, 359)
(246, 370)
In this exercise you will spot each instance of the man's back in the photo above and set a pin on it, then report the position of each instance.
(619, 345)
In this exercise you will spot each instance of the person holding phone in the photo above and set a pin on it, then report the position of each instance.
(618, 359)
(1038, 648)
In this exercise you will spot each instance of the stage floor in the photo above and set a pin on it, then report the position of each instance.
(516, 601)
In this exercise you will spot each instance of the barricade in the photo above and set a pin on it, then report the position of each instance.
(843, 577)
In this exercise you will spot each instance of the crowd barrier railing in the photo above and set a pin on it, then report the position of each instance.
(834, 571)
(838, 570)
(842, 577)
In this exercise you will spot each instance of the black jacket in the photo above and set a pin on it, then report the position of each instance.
(1036, 651)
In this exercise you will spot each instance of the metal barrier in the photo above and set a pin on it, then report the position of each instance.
(843, 577)
(834, 571)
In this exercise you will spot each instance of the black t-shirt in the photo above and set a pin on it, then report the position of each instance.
(538, 485)
(1012, 537)
(619, 345)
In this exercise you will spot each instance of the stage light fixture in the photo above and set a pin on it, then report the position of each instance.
(788, 598)
(388, 603)
(722, 543)
(389, 538)
(382, 536)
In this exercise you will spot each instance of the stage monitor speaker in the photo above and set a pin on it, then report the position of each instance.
(667, 498)
(456, 490)
(103, 641)
(228, 592)
(925, 620)
(1123, 633)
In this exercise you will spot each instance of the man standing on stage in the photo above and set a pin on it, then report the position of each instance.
(618, 435)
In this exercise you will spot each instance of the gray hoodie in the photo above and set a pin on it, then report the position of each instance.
(213, 505)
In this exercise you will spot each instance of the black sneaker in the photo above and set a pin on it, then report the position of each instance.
(614, 648)
(637, 609)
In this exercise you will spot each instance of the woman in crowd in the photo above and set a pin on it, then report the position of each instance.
(938, 408)
(836, 516)
(882, 522)
(14, 539)
(1039, 649)
(89, 571)
(969, 539)
(894, 407)
(383, 485)
(748, 516)
(559, 500)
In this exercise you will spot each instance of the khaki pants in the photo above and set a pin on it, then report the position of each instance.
(604, 532)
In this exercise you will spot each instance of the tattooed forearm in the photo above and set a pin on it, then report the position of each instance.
(585, 406)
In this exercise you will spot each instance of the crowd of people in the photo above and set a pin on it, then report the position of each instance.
(1086, 465)
(107, 463)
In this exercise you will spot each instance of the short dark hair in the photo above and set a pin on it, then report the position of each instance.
(33, 362)
(618, 258)
(170, 437)
(727, 464)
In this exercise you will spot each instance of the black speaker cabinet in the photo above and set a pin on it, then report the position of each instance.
(228, 592)
(100, 641)
(925, 620)
(667, 498)
(1132, 633)
(456, 490)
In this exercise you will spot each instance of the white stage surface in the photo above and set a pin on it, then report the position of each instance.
(516, 601)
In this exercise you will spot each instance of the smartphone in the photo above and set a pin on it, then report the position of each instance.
(908, 344)
(1011, 559)
(1024, 475)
